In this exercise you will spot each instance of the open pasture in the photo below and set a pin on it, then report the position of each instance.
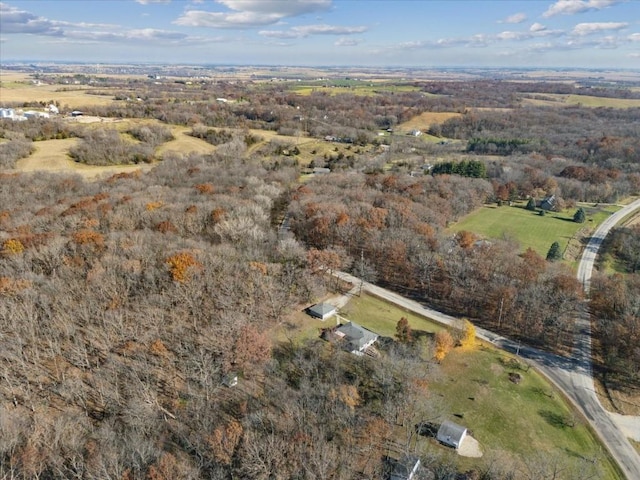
(528, 228)
(53, 156)
(353, 88)
(554, 99)
(425, 120)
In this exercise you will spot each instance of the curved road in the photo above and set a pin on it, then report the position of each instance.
(572, 375)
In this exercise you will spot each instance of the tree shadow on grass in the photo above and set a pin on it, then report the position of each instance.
(555, 419)
(565, 219)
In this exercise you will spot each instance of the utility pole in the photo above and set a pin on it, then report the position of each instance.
(361, 271)
(500, 315)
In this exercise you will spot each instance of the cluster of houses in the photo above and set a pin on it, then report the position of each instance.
(358, 340)
(22, 115)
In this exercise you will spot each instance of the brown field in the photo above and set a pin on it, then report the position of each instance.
(422, 121)
(18, 88)
(184, 143)
(52, 156)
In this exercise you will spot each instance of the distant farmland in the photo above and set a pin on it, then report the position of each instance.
(424, 120)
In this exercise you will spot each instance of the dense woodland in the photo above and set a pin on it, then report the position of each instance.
(127, 301)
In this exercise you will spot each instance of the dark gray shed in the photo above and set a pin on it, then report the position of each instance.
(322, 310)
(451, 434)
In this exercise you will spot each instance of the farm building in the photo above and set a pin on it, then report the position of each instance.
(405, 468)
(322, 310)
(451, 434)
(357, 338)
(548, 203)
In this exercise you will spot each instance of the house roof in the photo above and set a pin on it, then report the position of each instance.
(322, 309)
(405, 468)
(356, 335)
(451, 433)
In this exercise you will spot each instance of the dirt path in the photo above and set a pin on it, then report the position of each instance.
(470, 447)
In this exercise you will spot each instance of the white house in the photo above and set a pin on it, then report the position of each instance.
(8, 113)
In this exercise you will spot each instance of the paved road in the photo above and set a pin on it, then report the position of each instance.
(572, 375)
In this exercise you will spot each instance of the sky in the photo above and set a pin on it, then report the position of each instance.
(376, 33)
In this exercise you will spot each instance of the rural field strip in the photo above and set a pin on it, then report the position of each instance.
(573, 376)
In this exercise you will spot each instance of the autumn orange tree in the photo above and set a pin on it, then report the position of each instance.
(444, 344)
(179, 265)
(404, 333)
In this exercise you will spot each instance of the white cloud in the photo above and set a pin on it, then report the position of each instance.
(511, 35)
(537, 27)
(582, 29)
(13, 20)
(200, 18)
(284, 8)
(346, 42)
(147, 2)
(515, 18)
(251, 13)
(570, 7)
(308, 30)
(634, 37)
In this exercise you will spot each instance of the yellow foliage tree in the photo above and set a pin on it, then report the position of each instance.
(444, 344)
(12, 246)
(151, 206)
(468, 334)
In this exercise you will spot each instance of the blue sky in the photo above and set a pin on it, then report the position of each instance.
(422, 33)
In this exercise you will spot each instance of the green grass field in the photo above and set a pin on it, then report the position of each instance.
(510, 421)
(523, 419)
(528, 228)
(382, 317)
(354, 88)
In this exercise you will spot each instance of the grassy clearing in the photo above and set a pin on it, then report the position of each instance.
(382, 317)
(556, 99)
(528, 228)
(424, 120)
(53, 156)
(184, 143)
(518, 418)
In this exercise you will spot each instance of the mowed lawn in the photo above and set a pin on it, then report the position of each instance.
(528, 228)
(472, 387)
(524, 419)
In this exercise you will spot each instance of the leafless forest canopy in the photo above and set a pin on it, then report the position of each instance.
(126, 301)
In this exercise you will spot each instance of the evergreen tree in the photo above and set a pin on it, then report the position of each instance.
(579, 216)
(531, 205)
(554, 252)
